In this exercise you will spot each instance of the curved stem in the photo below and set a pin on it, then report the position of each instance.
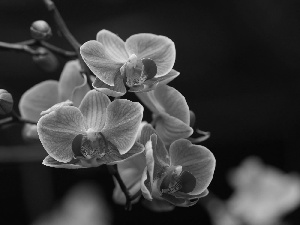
(69, 37)
(113, 169)
(59, 51)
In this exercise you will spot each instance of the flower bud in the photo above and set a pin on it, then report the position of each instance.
(46, 60)
(6, 102)
(40, 30)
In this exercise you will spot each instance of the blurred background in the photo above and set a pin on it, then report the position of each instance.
(239, 64)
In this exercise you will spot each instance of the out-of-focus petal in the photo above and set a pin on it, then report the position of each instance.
(37, 99)
(114, 91)
(122, 123)
(170, 128)
(153, 83)
(114, 45)
(79, 92)
(51, 162)
(58, 129)
(96, 58)
(29, 132)
(158, 48)
(131, 171)
(93, 108)
(70, 78)
(195, 159)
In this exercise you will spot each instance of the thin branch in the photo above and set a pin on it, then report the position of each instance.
(69, 37)
(59, 51)
(61, 24)
(19, 47)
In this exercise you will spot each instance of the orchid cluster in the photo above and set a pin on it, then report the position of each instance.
(80, 127)
(83, 120)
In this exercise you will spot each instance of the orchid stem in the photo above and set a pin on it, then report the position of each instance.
(113, 169)
(26, 46)
(67, 34)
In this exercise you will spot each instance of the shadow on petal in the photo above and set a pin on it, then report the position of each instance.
(115, 91)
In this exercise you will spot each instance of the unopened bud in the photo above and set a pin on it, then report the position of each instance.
(6, 102)
(40, 30)
(46, 60)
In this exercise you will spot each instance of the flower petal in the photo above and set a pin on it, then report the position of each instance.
(171, 129)
(29, 132)
(58, 129)
(145, 186)
(166, 99)
(153, 83)
(114, 45)
(114, 91)
(158, 48)
(131, 171)
(122, 123)
(173, 102)
(195, 159)
(70, 78)
(205, 136)
(37, 99)
(96, 58)
(79, 92)
(160, 153)
(93, 108)
(51, 162)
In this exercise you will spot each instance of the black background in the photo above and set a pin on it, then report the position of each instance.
(239, 64)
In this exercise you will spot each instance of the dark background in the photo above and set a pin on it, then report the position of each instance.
(239, 64)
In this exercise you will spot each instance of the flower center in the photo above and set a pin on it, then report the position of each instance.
(137, 71)
(178, 180)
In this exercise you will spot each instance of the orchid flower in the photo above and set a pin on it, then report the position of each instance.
(179, 175)
(97, 132)
(171, 115)
(141, 62)
(42, 96)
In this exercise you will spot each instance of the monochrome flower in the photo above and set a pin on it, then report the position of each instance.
(141, 62)
(97, 132)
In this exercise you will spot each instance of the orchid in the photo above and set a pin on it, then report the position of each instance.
(171, 115)
(180, 176)
(42, 96)
(141, 62)
(97, 132)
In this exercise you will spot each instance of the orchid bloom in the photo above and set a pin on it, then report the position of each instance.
(42, 96)
(170, 113)
(179, 176)
(97, 132)
(141, 62)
